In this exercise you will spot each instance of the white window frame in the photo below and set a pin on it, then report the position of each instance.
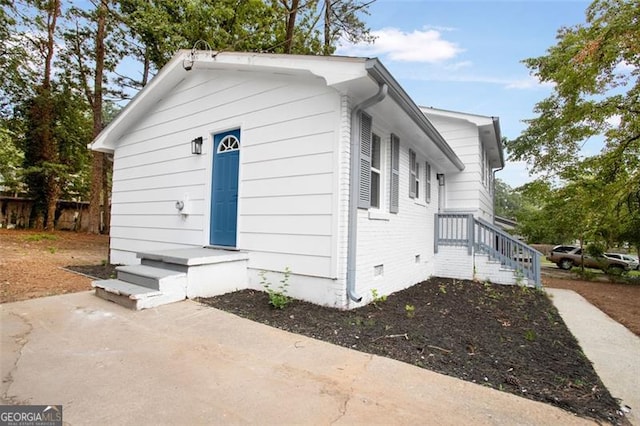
(412, 173)
(417, 182)
(483, 165)
(394, 174)
(427, 184)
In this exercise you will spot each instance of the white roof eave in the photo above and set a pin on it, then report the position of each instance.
(168, 77)
(338, 72)
(335, 71)
(379, 73)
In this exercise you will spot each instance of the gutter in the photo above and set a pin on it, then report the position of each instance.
(496, 128)
(354, 183)
(381, 75)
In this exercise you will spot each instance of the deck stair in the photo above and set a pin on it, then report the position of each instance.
(173, 275)
(493, 254)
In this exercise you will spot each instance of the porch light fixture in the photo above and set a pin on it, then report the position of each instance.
(196, 146)
(188, 61)
(440, 177)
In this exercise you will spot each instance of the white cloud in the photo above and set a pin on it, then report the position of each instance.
(531, 82)
(458, 65)
(425, 45)
(625, 67)
(614, 120)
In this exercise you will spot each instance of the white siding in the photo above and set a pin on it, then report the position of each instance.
(288, 170)
(394, 240)
(465, 191)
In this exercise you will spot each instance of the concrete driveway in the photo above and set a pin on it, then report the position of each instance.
(189, 364)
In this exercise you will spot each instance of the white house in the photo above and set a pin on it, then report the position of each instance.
(229, 164)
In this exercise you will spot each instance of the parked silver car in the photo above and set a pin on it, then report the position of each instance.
(630, 259)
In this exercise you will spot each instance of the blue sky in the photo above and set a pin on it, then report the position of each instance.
(466, 55)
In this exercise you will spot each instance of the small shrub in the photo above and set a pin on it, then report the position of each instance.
(586, 273)
(595, 250)
(277, 297)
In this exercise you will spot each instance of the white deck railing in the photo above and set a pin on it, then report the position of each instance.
(456, 229)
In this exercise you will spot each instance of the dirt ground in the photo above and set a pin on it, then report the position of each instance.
(620, 301)
(31, 263)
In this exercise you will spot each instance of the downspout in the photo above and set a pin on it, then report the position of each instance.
(496, 128)
(354, 183)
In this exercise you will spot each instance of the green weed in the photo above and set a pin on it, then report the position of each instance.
(491, 291)
(40, 237)
(530, 335)
(410, 310)
(377, 298)
(519, 275)
(277, 297)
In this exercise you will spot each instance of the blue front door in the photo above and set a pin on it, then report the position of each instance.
(224, 188)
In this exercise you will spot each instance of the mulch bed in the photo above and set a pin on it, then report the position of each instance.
(102, 272)
(509, 338)
(506, 337)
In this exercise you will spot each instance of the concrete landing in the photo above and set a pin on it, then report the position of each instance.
(612, 348)
(188, 364)
(194, 256)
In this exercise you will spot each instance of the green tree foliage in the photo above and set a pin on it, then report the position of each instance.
(594, 70)
(159, 28)
(61, 64)
(507, 201)
(11, 159)
(45, 123)
(542, 218)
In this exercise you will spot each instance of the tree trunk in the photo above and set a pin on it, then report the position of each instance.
(327, 28)
(291, 25)
(53, 194)
(95, 211)
(44, 117)
(98, 198)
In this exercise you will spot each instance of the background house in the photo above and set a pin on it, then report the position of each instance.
(323, 165)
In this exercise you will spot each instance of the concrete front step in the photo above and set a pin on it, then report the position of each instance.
(193, 256)
(136, 297)
(153, 277)
(163, 265)
(171, 275)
